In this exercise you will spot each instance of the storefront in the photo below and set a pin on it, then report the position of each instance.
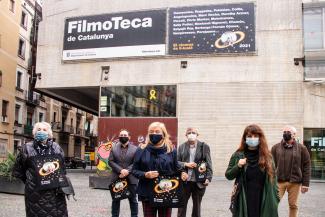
(314, 139)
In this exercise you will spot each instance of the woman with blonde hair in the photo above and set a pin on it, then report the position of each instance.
(256, 191)
(157, 156)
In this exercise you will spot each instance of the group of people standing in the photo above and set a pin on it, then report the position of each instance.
(261, 176)
(158, 157)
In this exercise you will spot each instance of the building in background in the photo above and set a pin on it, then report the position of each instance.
(30, 107)
(74, 129)
(314, 91)
(10, 12)
(21, 107)
(225, 66)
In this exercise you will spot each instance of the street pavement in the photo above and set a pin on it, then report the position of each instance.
(97, 203)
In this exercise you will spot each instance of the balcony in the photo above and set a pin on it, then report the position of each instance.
(66, 106)
(80, 112)
(56, 126)
(68, 129)
(32, 98)
(28, 130)
(89, 133)
(80, 132)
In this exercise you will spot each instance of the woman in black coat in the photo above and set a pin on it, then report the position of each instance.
(40, 165)
(154, 158)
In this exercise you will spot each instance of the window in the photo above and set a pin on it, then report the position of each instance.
(18, 114)
(4, 115)
(313, 28)
(12, 5)
(54, 116)
(21, 48)
(138, 101)
(23, 21)
(19, 77)
(314, 140)
(3, 147)
(29, 119)
(40, 117)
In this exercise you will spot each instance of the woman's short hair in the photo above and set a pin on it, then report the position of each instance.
(48, 126)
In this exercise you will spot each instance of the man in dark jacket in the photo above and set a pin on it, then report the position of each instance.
(121, 161)
(292, 163)
(189, 155)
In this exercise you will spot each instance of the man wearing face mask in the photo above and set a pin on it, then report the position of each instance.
(189, 155)
(121, 161)
(292, 163)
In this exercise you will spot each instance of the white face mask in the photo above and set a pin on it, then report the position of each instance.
(191, 137)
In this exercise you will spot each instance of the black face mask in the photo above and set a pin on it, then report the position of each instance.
(155, 138)
(123, 140)
(287, 137)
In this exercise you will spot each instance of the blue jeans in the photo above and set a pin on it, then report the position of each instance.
(133, 204)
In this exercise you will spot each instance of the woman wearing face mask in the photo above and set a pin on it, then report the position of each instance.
(252, 167)
(156, 157)
(40, 165)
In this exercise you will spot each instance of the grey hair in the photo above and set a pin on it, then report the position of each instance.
(293, 129)
(48, 126)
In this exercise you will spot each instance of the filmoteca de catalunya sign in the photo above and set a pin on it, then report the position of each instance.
(115, 35)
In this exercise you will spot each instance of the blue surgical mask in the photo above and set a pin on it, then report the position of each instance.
(252, 142)
(41, 136)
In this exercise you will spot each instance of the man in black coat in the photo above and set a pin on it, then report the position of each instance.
(189, 155)
(121, 161)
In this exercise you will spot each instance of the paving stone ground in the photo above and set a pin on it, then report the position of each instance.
(96, 203)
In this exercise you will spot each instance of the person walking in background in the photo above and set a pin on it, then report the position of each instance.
(292, 163)
(157, 156)
(189, 155)
(40, 165)
(252, 167)
(121, 161)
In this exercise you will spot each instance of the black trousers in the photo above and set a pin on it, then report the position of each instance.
(191, 188)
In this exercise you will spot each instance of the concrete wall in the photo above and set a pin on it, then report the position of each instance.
(218, 94)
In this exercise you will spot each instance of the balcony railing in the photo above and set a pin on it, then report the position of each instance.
(32, 98)
(56, 126)
(80, 132)
(68, 129)
(28, 130)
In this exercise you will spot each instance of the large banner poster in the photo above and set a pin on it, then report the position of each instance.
(228, 28)
(128, 34)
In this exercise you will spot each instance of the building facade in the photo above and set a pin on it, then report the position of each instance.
(10, 12)
(74, 129)
(215, 65)
(30, 107)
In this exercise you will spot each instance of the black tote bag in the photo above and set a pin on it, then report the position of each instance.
(120, 189)
(167, 191)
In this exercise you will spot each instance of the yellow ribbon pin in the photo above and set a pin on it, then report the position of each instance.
(153, 94)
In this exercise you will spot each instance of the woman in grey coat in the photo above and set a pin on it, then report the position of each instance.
(40, 165)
